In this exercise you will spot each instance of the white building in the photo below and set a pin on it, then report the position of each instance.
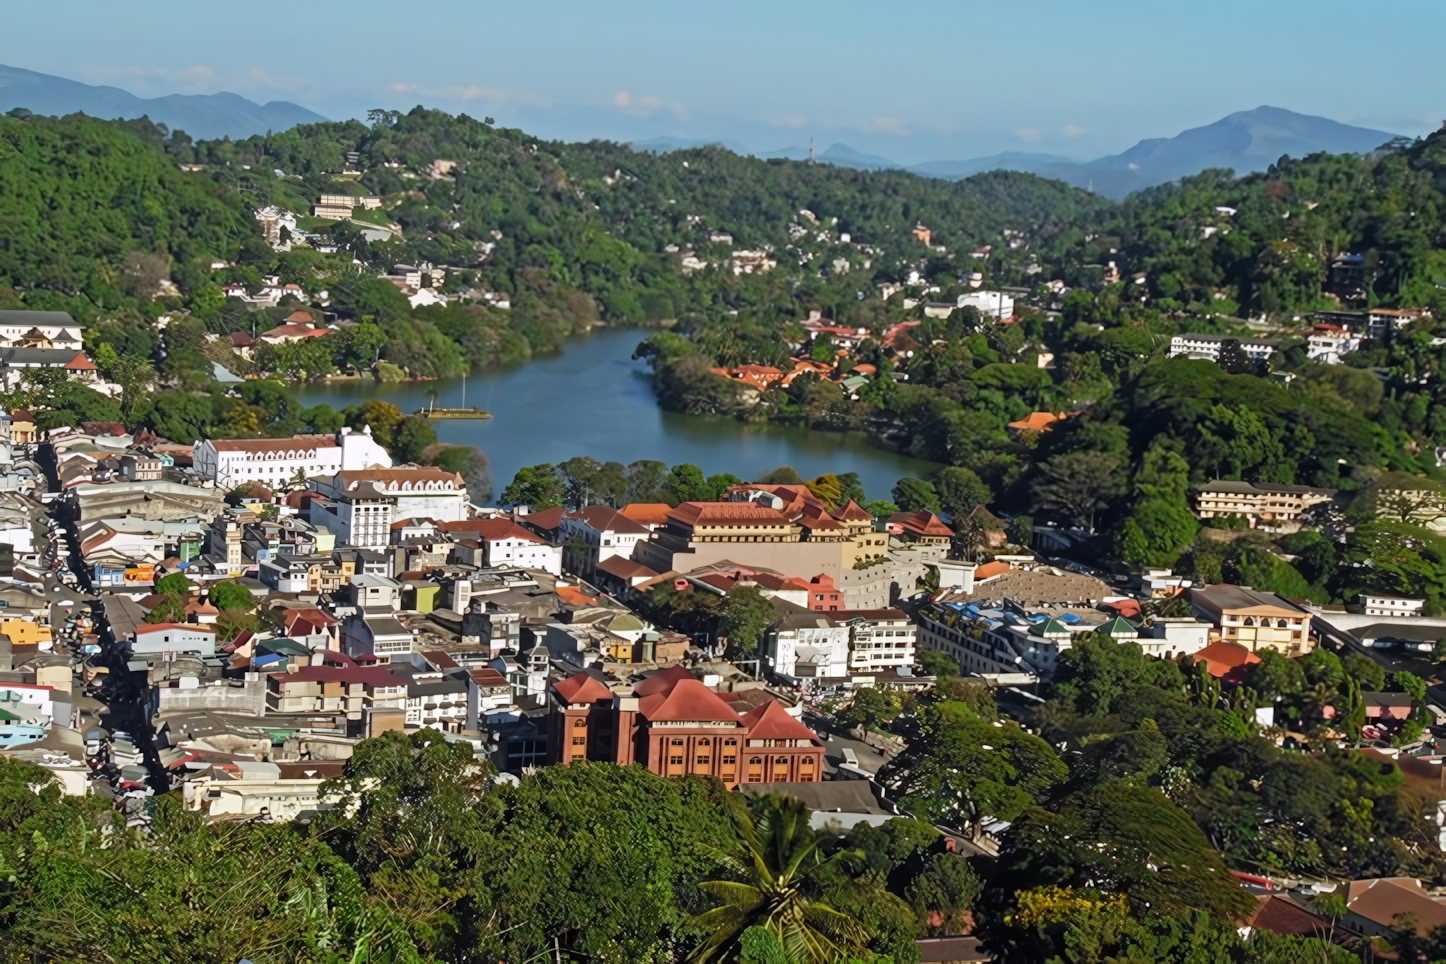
(376, 634)
(506, 544)
(359, 506)
(1328, 344)
(161, 638)
(879, 639)
(275, 461)
(1208, 347)
(995, 303)
(1393, 606)
(803, 644)
(605, 532)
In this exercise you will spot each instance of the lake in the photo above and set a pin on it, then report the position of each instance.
(593, 399)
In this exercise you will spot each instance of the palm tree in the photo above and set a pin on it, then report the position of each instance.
(778, 862)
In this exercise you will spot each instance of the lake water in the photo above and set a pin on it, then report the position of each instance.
(593, 399)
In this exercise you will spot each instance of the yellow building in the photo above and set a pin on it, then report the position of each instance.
(24, 632)
(1255, 620)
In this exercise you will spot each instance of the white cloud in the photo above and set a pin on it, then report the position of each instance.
(887, 125)
(789, 120)
(623, 99)
(1028, 134)
(1072, 130)
(145, 79)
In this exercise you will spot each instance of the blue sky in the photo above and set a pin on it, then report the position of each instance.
(913, 80)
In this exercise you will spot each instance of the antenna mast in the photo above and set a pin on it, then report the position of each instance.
(810, 149)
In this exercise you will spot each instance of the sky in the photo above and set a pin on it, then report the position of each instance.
(911, 80)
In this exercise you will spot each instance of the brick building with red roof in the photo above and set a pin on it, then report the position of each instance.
(675, 726)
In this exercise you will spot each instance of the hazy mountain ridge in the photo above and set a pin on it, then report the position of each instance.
(199, 115)
(1244, 141)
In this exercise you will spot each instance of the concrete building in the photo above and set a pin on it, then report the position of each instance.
(359, 506)
(879, 639)
(1255, 620)
(1267, 505)
(1397, 606)
(159, 639)
(806, 645)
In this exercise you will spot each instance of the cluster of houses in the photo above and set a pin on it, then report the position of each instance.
(1332, 336)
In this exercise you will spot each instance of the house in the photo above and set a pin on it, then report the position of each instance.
(598, 532)
(1208, 347)
(1384, 322)
(1255, 620)
(274, 462)
(1328, 344)
(298, 330)
(505, 543)
(993, 303)
(14, 362)
(674, 725)
(1268, 505)
(337, 685)
(22, 425)
(1376, 908)
(375, 633)
(922, 528)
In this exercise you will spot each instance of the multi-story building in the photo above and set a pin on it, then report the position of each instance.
(275, 461)
(288, 572)
(336, 686)
(674, 725)
(1265, 504)
(703, 533)
(879, 639)
(595, 533)
(803, 644)
(1329, 344)
(1255, 620)
(33, 329)
(359, 506)
(505, 543)
(1208, 347)
(1372, 606)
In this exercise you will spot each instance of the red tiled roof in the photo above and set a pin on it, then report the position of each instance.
(582, 688)
(606, 519)
(687, 700)
(923, 523)
(772, 722)
(79, 363)
(487, 677)
(331, 673)
(853, 512)
(546, 518)
(661, 682)
(239, 339)
(294, 330)
(300, 314)
(705, 513)
(157, 627)
(314, 616)
(1034, 422)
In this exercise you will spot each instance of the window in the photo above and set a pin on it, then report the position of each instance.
(579, 741)
(579, 723)
(576, 757)
(675, 760)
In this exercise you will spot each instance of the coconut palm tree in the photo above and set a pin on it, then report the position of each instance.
(778, 862)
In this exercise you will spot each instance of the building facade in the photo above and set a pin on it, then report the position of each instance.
(274, 462)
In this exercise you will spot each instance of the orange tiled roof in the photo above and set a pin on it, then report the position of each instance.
(923, 523)
(772, 722)
(1224, 660)
(572, 596)
(80, 363)
(647, 513)
(1035, 422)
(991, 569)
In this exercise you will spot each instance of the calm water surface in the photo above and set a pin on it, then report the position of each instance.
(591, 398)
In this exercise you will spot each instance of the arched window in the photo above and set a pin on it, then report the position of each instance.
(1250, 620)
(1282, 624)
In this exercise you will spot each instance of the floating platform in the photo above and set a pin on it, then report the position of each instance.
(452, 413)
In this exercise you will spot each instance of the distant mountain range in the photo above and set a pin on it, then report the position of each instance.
(199, 115)
(1246, 141)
